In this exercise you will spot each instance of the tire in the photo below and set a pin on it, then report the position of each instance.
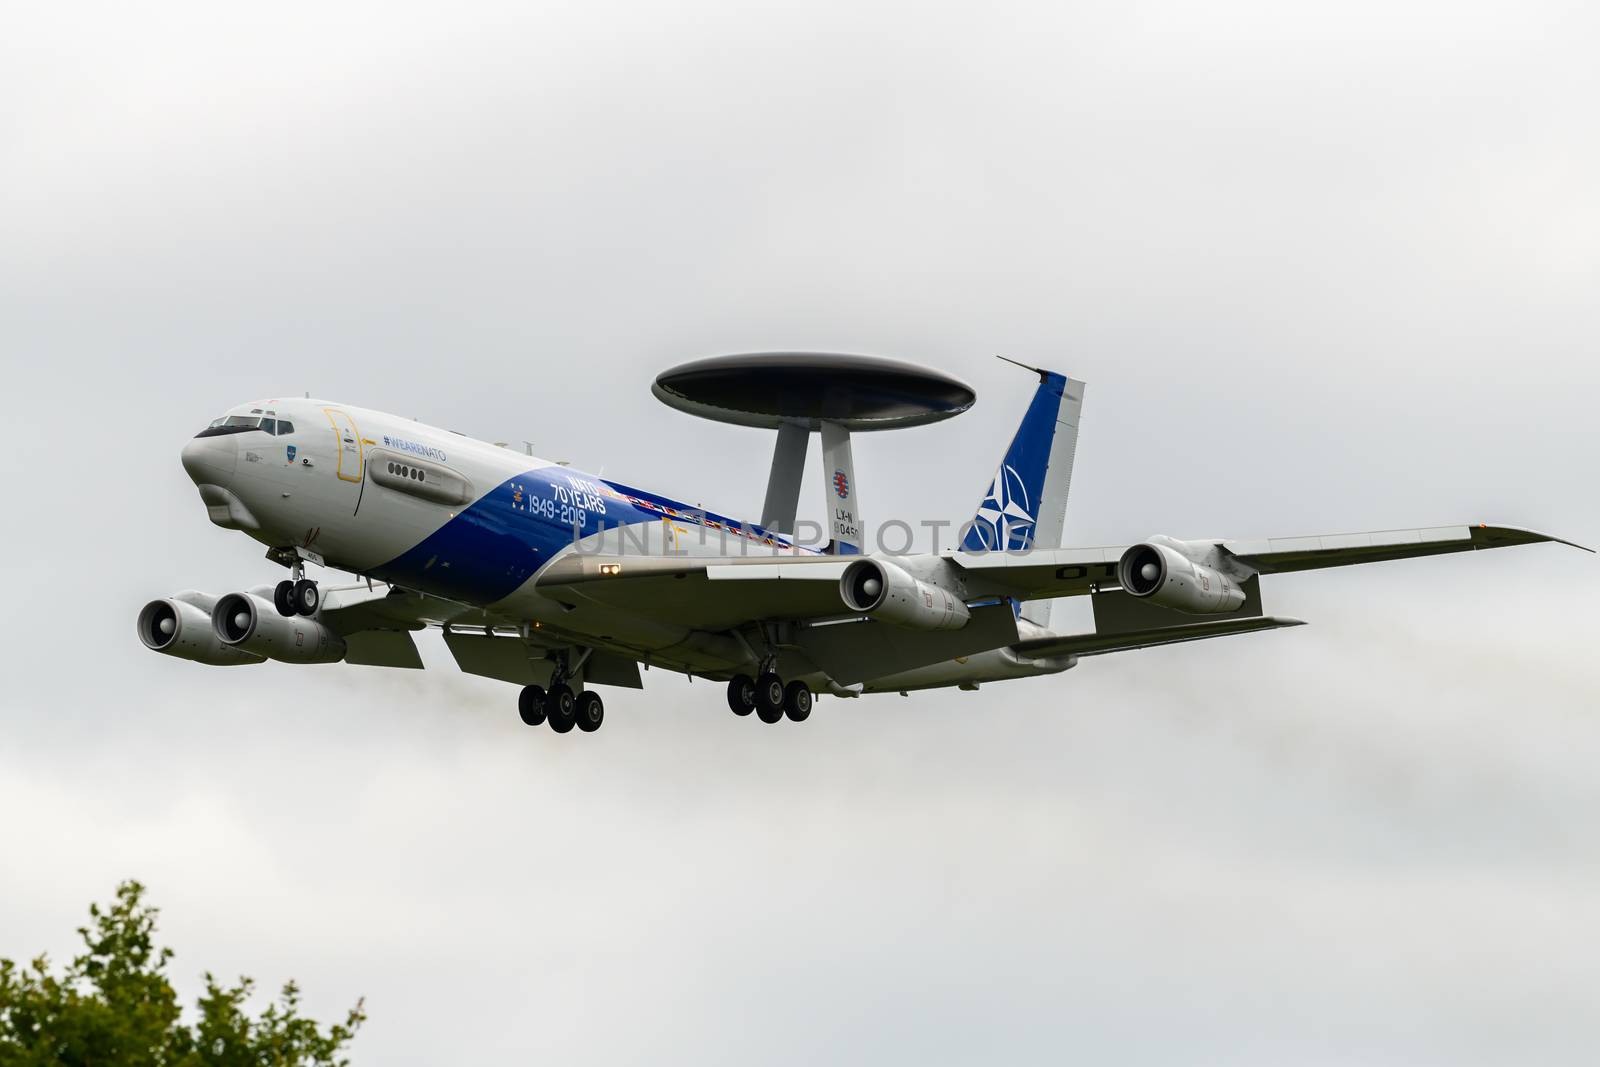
(591, 711)
(530, 705)
(283, 598)
(306, 597)
(561, 709)
(797, 701)
(742, 694)
(769, 698)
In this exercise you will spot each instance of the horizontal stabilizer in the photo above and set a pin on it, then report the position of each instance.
(1099, 644)
(853, 652)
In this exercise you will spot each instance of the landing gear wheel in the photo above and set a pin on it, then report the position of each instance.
(283, 598)
(530, 705)
(561, 708)
(769, 697)
(742, 694)
(591, 711)
(797, 701)
(306, 597)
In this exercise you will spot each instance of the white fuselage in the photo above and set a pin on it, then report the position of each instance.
(473, 524)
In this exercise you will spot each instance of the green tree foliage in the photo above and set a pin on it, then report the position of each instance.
(114, 1007)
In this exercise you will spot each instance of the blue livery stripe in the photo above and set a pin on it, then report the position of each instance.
(488, 551)
(1009, 512)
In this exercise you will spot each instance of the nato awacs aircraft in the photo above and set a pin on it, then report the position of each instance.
(560, 581)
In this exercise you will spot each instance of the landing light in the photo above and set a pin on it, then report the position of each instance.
(610, 569)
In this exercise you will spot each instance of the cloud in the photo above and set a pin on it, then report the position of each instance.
(1323, 270)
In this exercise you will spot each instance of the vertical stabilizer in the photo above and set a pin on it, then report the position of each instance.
(1026, 503)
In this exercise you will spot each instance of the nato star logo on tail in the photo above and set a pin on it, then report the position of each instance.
(1003, 520)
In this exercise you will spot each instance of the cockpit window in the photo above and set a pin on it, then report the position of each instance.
(266, 423)
(231, 424)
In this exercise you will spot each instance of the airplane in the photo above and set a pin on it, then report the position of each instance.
(560, 581)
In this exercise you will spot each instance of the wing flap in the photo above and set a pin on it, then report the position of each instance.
(351, 609)
(706, 592)
(504, 658)
(382, 648)
(1097, 644)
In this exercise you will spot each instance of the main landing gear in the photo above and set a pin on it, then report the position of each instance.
(297, 595)
(561, 707)
(769, 698)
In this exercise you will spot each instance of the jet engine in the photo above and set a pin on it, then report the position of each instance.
(882, 590)
(1161, 574)
(251, 624)
(181, 626)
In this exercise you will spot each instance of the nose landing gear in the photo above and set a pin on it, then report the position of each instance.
(296, 595)
(306, 597)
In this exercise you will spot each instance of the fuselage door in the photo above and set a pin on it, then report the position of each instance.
(348, 443)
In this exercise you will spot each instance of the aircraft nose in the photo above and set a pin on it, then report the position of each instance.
(209, 460)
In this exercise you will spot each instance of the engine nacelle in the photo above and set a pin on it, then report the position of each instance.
(250, 623)
(181, 626)
(881, 590)
(1162, 575)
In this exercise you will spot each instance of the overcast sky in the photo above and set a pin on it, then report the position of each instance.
(1325, 267)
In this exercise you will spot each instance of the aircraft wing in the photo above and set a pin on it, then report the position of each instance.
(1076, 571)
(724, 592)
